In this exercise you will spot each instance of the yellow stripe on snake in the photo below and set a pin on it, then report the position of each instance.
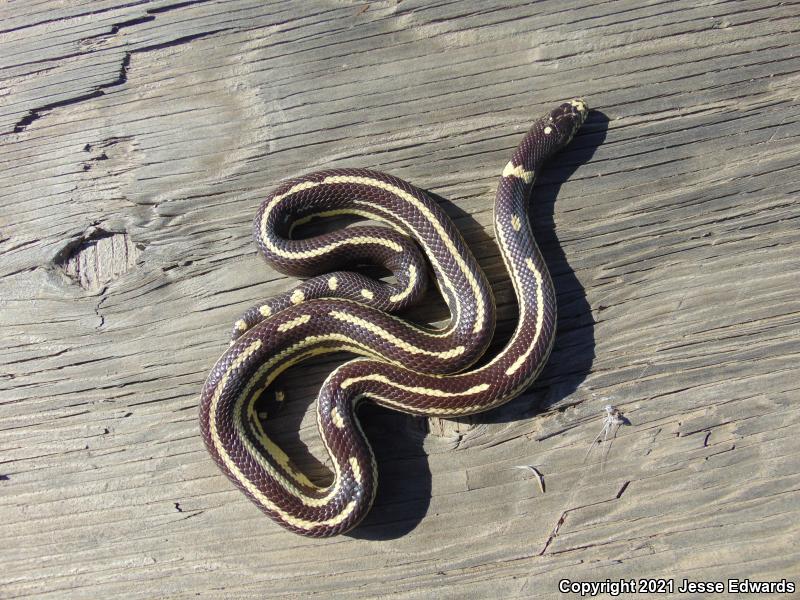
(403, 366)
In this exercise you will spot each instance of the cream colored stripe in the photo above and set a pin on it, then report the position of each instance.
(333, 213)
(305, 185)
(539, 319)
(412, 280)
(437, 333)
(518, 171)
(511, 269)
(274, 451)
(360, 240)
(356, 469)
(337, 418)
(432, 411)
(356, 402)
(460, 410)
(389, 337)
(301, 320)
(481, 387)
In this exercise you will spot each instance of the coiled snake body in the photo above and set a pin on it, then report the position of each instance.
(403, 366)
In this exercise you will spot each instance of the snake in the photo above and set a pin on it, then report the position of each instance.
(411, 368)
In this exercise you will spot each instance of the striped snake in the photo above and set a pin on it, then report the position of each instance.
(403, 366)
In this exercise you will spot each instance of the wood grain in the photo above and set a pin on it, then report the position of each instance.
(138, 137)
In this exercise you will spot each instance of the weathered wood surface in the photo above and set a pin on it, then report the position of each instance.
(137, 140)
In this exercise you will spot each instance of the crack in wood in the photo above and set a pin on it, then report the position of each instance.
(562, 519)
(122, 78)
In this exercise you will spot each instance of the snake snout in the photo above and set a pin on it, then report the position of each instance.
(579, 105)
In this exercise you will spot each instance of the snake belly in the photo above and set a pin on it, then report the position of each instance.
(402, 366)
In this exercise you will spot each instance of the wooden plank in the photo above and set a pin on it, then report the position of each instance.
(137, 140)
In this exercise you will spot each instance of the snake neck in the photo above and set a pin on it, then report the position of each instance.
(533, 286)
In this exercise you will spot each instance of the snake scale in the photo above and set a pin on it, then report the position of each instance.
(402, 366)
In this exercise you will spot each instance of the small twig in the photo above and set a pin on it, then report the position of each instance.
(611, 424)
(535, 471)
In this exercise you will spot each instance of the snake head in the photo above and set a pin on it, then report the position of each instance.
(579, 104)
(568, 118)
(548, 135)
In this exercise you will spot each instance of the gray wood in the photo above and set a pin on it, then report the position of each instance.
(137, 140)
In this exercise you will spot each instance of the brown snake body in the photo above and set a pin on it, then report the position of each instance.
(403, 366)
